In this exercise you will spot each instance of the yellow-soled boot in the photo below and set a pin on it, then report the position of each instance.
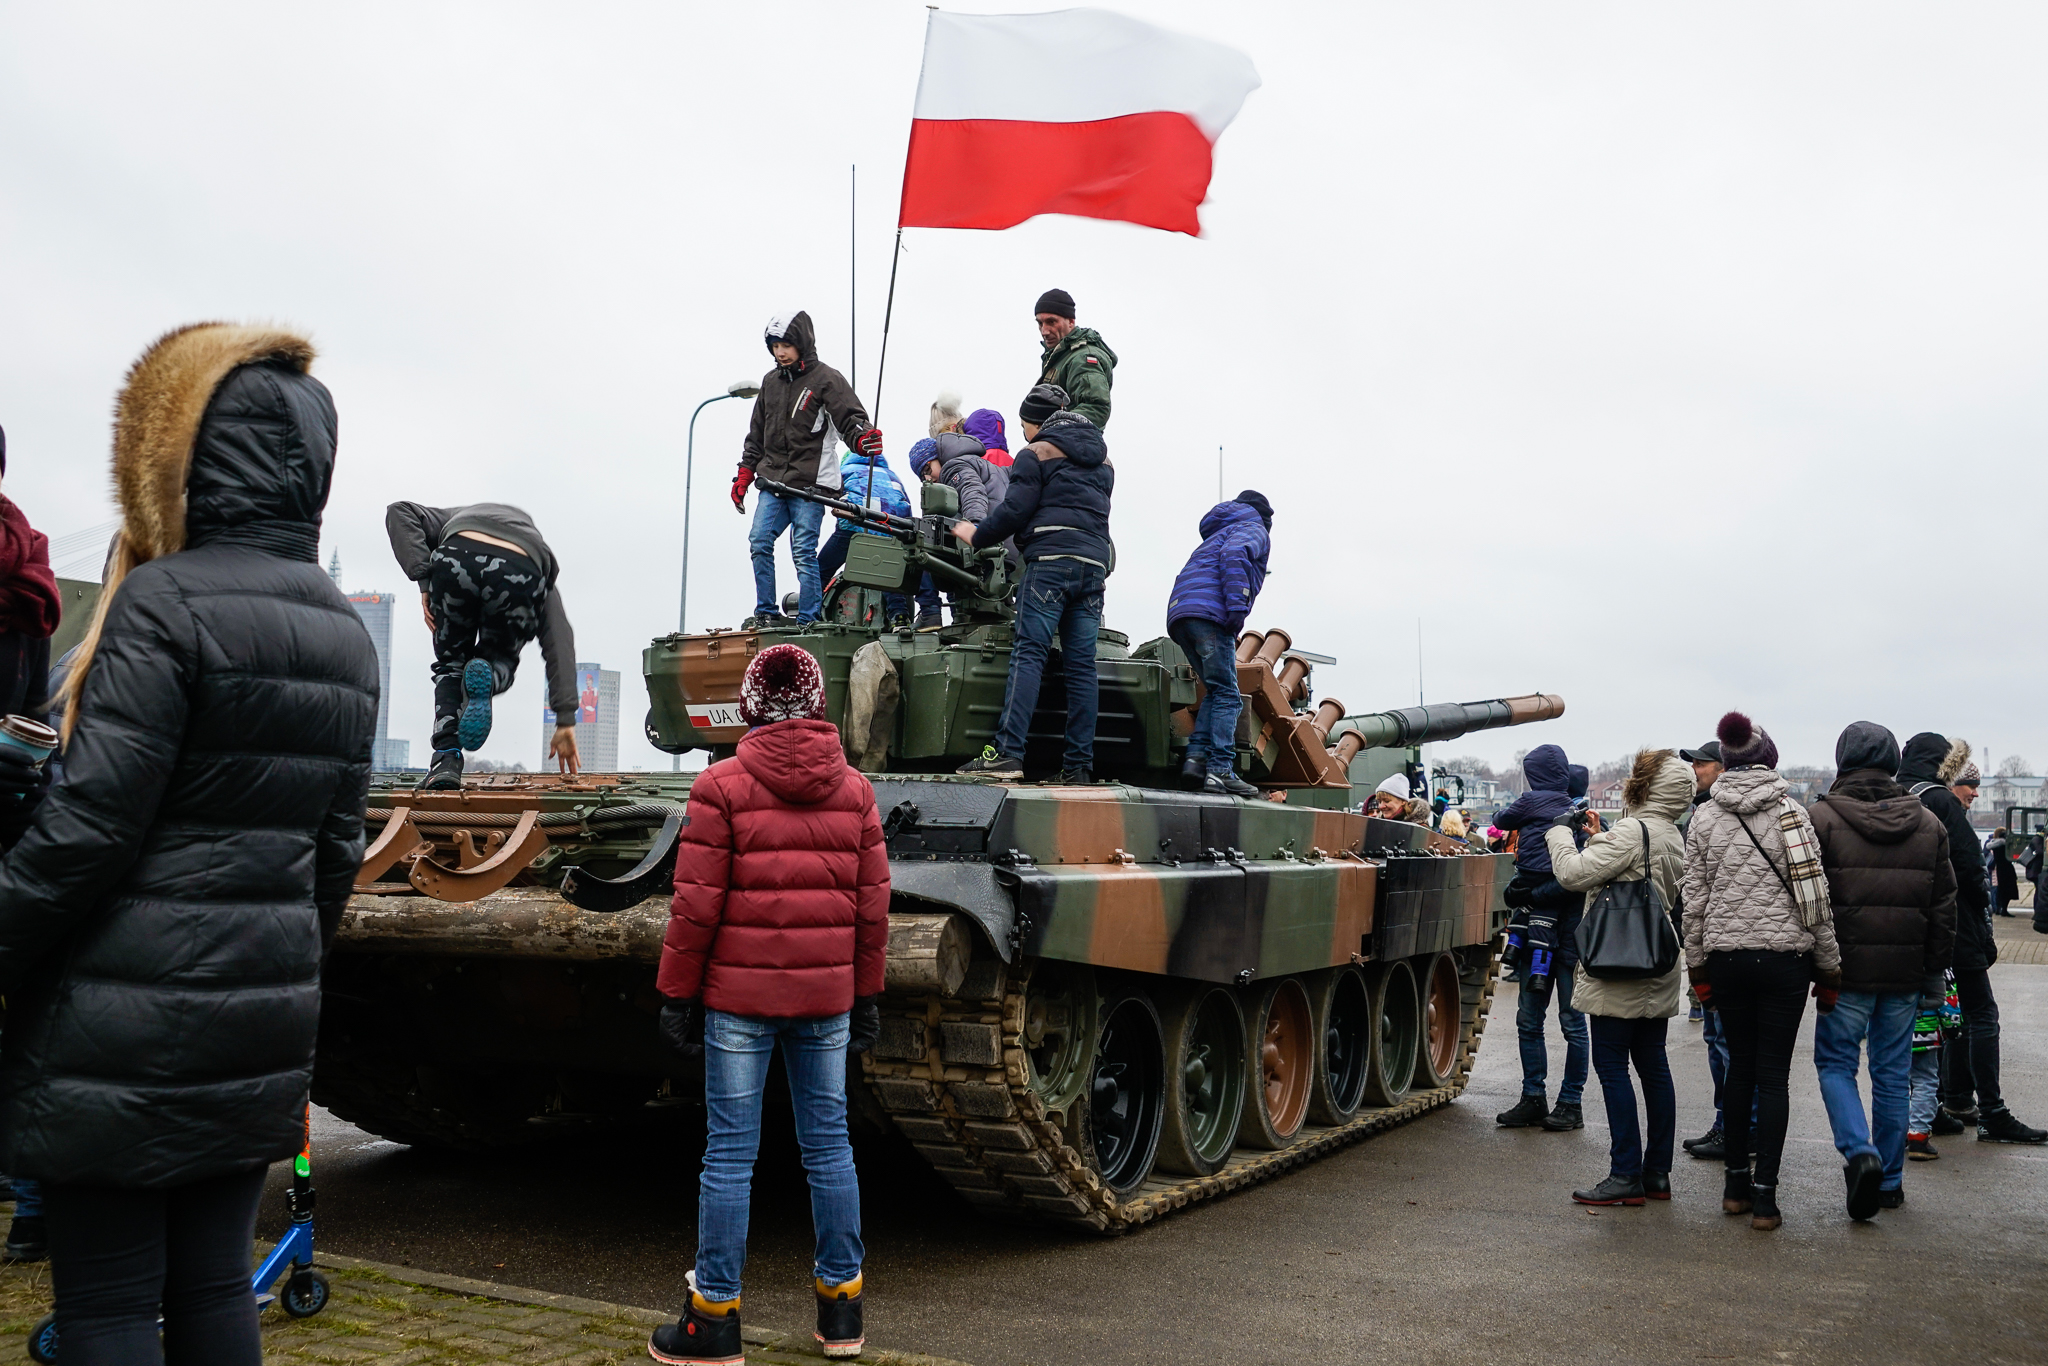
(839, 1318)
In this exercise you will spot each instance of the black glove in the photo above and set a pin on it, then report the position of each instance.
(864, 1025)
(21, 780)
(1516, 894)
(682, 1025)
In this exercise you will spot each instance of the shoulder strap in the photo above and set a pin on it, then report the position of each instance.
(1917, 788)
(1783, 881)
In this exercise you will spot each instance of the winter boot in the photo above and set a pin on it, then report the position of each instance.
(1763, 1210)
(1861, 1176)
(708, 1334)
(1999, 1126)
(1964, 1114)
(1710, 1146)
(839, 1318)
(1738, 1196)
(1919, 1148)
(992, 765)
(477, 685)
(1891, 1199)
(1564, 1118)
(1236, 786)
(1615, 1190)
(445, 773)
(26, 1241)
(1527, 1112)
(1946, 1124)
(1657, 1185)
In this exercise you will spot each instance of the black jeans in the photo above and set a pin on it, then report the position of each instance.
(1761, 996)
(486, 602)
(117, 1256)
(1970, 1055)
(1617, 1041)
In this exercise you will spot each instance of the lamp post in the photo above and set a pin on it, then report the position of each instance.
(744, 389)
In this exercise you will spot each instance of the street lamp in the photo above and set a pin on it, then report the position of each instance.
(746, 388)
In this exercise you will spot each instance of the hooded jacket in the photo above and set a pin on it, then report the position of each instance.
(1082, 364)
(869, 477)
(1998, 870)
(1734, 901)
(1930, 762)
(1891, 882)
(781, 907)
(1058, 503)
(986, 426)
(963, 464)
(162, 921)
(1222, 579)
(416, 529)
(1657, 792)
(786, 437)
(1547, 774)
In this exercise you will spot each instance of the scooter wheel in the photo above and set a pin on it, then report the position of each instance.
(42, 1339)
(305, 1294)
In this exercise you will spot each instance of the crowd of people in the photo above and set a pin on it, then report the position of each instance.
(1876, 902)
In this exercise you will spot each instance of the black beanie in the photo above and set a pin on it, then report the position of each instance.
(1041, 403)
(1256, 501)
(1055, 301)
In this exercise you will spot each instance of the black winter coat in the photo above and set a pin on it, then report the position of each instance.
(1891, 882)
(1975, 947)
(1058, 501)
(162, 922)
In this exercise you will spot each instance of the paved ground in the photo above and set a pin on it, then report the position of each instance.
(1445, 1241)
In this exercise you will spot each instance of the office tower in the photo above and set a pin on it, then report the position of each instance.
(597, 721)
(386, 754)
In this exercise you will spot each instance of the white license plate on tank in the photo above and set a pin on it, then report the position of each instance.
(717, 716)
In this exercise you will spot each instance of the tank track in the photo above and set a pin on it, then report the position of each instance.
(953, 1076)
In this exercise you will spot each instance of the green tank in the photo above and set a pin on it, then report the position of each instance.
(1102, 1002)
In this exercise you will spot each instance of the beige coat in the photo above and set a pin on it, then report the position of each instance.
(1733, 898)
(1657, 793)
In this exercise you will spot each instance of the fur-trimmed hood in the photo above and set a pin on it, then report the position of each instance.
(220, 433)
(1932, 758)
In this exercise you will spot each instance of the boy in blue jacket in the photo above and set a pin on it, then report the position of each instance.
(866, 480)
(1553, 922)
(1210, 600)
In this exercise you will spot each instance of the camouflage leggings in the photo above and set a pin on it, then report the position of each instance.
(486, 602)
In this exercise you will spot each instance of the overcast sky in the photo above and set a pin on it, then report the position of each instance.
(1669, 358)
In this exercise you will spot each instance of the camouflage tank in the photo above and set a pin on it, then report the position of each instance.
(1102, 1001)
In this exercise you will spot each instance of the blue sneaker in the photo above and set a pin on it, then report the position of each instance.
(475, 726)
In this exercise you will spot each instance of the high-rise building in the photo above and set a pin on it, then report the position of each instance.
(597, 720)
(386, 754)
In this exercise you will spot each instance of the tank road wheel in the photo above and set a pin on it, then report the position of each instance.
(1440, 1039)
(1281, 1070)
(1060, 1019)
(1126, 1094)
(1341, 1009)
(1397, 1023)
(1205, 1050)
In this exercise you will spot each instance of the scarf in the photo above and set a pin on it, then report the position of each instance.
(1802, 853)
(28, 590)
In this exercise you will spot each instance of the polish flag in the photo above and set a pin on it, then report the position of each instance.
(1078, 111)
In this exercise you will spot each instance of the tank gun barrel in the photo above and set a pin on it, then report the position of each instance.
(1405, 727)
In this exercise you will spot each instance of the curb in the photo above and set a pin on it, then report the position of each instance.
(766, 1338)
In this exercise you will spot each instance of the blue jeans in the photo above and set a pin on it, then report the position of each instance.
(1616, 1042)
(1063, 597)
(1716, 1040)
(28, 1198)
(832, 558)
(1923, 1092)
(1886, 1020)
(736, 1053)
(774, 514)
(1212, 649)
(1529, 1013)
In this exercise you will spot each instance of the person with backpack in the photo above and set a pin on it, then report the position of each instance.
(1206, 609)
(1551, 915)
(1630, 1016)
(1757, 935)
(776, 942)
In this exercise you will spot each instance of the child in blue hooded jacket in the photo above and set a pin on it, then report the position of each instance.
(1210, 600)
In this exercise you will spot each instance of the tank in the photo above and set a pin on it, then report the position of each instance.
(1103, 1001)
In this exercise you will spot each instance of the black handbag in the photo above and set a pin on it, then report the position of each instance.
(1626, 932)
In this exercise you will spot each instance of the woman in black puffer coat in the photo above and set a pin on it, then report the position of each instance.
(163, 920)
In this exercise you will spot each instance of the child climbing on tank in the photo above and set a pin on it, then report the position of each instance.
(487, 587)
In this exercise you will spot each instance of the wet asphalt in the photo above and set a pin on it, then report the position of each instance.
(1447, 1240)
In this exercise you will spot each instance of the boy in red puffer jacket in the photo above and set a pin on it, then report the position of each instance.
(776, 938)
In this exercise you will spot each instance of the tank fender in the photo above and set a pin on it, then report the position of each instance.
(974, 889)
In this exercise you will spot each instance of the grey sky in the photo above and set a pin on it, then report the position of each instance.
(1669, 358)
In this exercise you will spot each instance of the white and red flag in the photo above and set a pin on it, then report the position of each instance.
(1078, 111)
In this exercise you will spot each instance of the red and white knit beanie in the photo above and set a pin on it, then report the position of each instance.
(782, 683)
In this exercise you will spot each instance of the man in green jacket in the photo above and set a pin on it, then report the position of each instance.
(1076, 358)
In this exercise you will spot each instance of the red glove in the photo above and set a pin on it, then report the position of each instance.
(869, 442)
(739, 489)
(1824, 998)
(1705, 992)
